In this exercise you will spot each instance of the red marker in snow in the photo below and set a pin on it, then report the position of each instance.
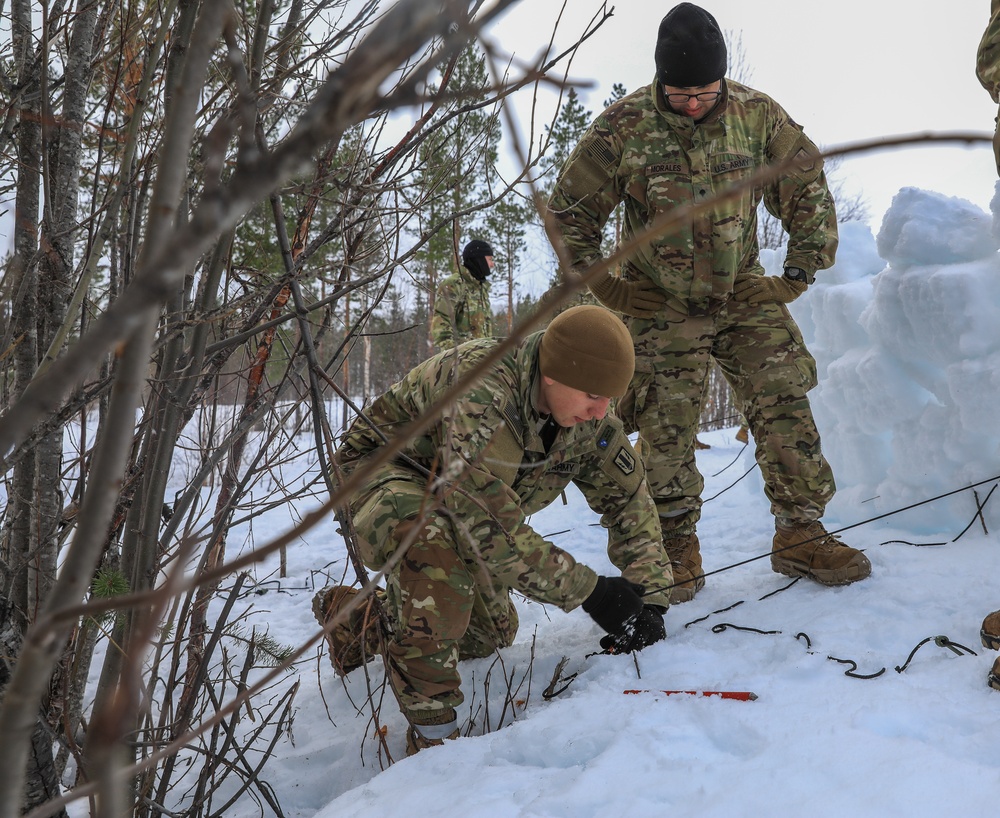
(739, 695)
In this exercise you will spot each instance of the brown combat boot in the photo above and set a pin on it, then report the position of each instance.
(685, 560)
(820, 556)
(699, 445)
(354, 641)
(993, 677)
(743, 434)
(990, 632)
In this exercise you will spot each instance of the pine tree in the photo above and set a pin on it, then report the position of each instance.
(564, 135)
(507, 223)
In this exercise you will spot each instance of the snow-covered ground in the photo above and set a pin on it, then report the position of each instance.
(815, 742)
(906, 332)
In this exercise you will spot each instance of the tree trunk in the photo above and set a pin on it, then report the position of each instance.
(30, 554)
(41, 782)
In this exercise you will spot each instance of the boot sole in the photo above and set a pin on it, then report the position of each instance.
(859, 568)
(990, 640)
(993, 677)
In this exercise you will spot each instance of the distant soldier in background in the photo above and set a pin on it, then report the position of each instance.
(457, 499)
(699, 292)
(988, 71)
(462, 310)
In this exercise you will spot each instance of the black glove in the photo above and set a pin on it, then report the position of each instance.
(614, 602)
(645, 629)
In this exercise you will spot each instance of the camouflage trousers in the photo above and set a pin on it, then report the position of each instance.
(443, 604)
(761, 353)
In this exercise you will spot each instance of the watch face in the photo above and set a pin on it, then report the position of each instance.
(795, 274)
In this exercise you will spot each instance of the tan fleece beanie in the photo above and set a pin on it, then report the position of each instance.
(588, 348)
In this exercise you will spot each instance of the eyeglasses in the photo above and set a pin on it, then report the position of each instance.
(704, 96)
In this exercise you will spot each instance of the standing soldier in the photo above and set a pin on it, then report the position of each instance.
(988, 71)
(456, 500)
(699, 292)
(462, 310)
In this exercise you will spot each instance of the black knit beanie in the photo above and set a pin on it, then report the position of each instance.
(690, 48)
(474, 259)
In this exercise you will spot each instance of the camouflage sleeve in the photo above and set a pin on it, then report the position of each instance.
(800, 198)
(586, 193)
(489, 512)
(988, 56)
(614, 483)
(443, 322)
(480, 312)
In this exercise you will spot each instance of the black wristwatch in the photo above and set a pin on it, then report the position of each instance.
(797, 274)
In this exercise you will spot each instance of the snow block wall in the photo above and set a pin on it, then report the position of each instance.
(905, 329)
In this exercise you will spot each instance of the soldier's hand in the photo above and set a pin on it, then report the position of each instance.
(646, 629)
(640, 299)
(613, 602)
(756, 289)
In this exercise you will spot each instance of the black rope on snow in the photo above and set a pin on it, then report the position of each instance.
(854, 666)
(978, 514)
(779, 590)
(748, 471)
(831, 533)
(706, 616)
(732, 463)
(941, 642)
(912, 506)
(851, 671)
(559, 533)
(724, 625)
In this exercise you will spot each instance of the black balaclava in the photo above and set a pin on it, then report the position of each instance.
(474, 259)
(690, 48)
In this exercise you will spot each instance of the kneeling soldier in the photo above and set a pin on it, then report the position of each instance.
(455, 502)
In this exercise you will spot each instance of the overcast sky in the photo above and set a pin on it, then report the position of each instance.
(846, 71)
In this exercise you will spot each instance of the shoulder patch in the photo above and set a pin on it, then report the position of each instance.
(589, 169)
(619, 460)
(625, 460)
(604, 436)
(513, 418)
(600, 153)
(791, 143)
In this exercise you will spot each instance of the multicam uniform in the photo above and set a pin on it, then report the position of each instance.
(449, 595)
(642, 154)
(462, 311)
(988, 66)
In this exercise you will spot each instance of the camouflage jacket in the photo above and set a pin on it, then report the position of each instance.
(488, 445)
(462, 311)
(652, 160)
(988, 57)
